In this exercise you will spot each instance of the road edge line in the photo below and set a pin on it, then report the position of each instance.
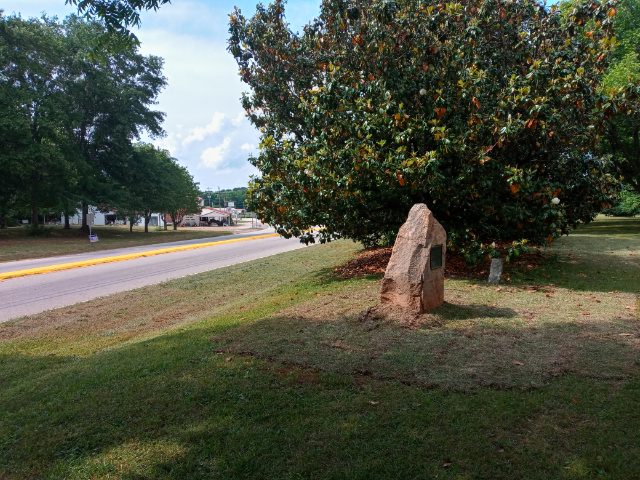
(123, 258)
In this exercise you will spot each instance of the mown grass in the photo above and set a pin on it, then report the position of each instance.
(17, 244)
(269, 370)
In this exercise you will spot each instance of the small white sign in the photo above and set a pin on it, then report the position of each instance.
(93, 238)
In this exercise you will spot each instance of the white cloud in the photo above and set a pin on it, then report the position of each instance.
(167, 143)
(213, 157)
(198, 134)
(240, 117)
(247, 147)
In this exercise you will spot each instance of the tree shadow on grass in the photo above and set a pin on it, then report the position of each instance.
(597, 272)
(611, 226)
(328, 276)
(450, 312)
(456, 347)
(602, 257)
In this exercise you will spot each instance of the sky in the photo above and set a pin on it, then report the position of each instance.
(205, 124)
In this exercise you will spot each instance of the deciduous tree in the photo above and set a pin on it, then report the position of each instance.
(33, 166)
(73, 98)
(118, 15)
(622, 84)
(156, 182)
(110, 89)
(489, 111)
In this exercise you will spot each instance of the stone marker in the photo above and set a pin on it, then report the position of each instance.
(414, 278)
(495, 272)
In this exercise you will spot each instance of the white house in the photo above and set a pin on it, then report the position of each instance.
(109, 218)
(99, 218)
(156, 220)
(217, 215)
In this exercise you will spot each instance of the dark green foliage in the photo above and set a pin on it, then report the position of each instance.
(220, 198)
(156, 182)
(628, 204)
(118, 15)
(109, 104)
(622, 83)
(484, 110)
(32, 159)
(623, 133)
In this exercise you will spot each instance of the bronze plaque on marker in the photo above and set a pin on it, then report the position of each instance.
(435, 257)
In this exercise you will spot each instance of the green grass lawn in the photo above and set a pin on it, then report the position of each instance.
(16, 244)
(269, 370)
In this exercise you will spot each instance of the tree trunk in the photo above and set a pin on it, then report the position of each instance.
(34, 212)
(130, 224)
(65, 214)
(636, 149)
(85, 213)
(174, 220)
(147, 217)
(165, 222)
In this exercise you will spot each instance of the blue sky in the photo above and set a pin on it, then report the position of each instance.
(205, 125)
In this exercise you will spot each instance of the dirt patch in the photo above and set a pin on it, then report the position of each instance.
(482, 336)
(457, 267)
(373, 261)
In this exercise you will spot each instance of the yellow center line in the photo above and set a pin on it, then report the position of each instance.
(122, 258)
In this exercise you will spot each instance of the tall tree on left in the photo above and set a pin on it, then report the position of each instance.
(33, 168)
(110, 89)
(118, 15)
(74, 97)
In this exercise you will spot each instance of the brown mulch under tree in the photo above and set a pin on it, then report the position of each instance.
(373, 261)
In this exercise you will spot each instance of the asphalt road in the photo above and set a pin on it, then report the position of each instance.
(37, 293)
(43, 262)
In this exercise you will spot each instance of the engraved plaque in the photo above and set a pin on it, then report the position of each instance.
(435, 257)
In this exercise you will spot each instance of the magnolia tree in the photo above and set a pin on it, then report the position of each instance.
(487, 111)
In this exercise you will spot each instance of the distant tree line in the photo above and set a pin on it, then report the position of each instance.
(75, 100)
(220, 198)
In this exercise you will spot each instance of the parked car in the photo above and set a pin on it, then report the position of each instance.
(190, 221)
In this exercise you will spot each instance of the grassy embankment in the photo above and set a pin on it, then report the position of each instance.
(267, 370)
(16, 244)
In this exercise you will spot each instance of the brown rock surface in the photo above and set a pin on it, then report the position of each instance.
(410, 281)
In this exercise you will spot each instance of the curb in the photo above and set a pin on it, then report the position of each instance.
(123, 258)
